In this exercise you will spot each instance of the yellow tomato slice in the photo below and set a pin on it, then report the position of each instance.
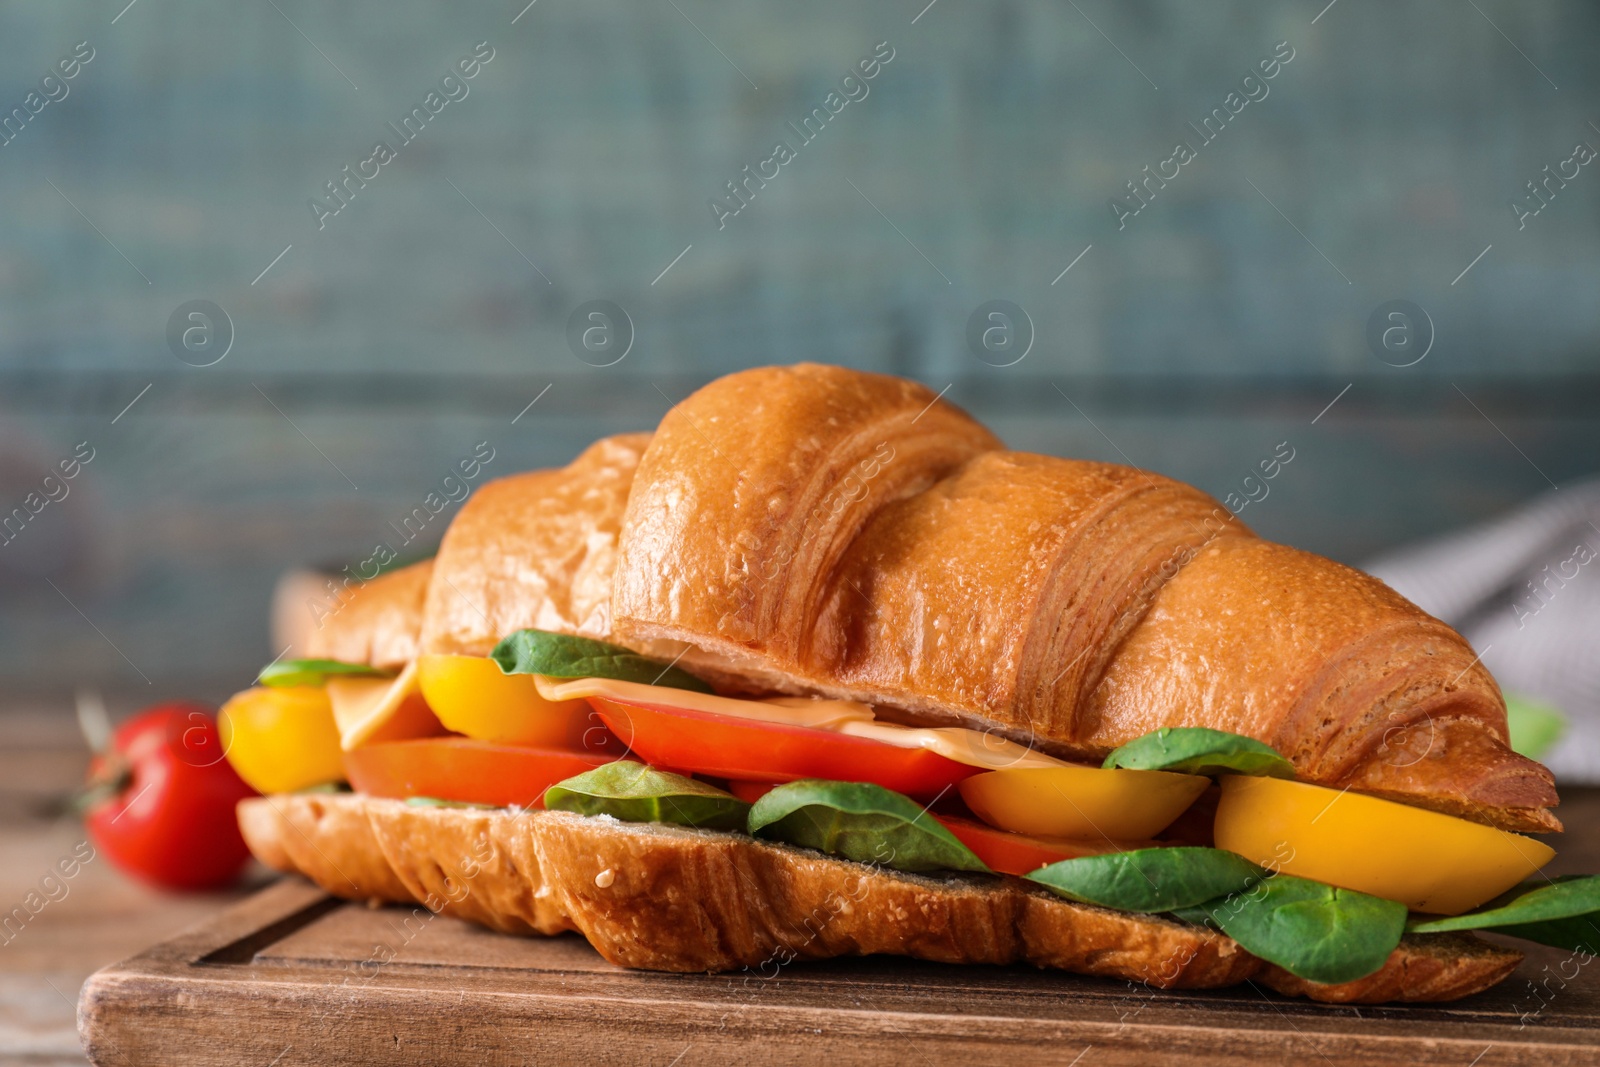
(1081, 802)
(281, 739)
(370, 710)
(1427, 861)
(471, 696)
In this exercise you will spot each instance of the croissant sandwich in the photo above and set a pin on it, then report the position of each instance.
(820, 668)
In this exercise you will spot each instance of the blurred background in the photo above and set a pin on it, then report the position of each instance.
(353, 346)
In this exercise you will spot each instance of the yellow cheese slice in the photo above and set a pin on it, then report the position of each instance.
(972, 747)
(787, 711)
(369, 710)
(850, 717)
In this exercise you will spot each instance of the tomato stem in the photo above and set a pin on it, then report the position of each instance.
(106, 783)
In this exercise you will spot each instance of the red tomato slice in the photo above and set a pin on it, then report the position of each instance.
(750, 792)
(1020, 854)
(725, 746)
(459, 768)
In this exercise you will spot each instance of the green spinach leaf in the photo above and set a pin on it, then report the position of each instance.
(1534, 726)
(565, 656)
(313, 672)
(862, 822)
(1196, 750)
(1564, 912)
(1574, 933)
(1316, 931)
(634, 792)
(1150, 879)
(1195, 913)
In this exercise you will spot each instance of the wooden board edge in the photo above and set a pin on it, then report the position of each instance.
(269, 909)
(201, 995)
(211, 1017)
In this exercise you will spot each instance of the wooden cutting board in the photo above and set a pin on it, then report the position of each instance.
(293, 977)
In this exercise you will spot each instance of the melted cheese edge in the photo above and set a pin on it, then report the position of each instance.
(849, 717)
(379, 709)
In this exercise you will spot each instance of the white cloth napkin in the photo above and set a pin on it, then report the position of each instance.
(1525, 590)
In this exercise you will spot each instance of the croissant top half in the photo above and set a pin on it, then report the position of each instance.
(814, 529)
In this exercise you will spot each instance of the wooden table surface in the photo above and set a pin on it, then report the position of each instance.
(105, 917)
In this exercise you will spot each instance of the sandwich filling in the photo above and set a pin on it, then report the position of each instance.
(1199, 825)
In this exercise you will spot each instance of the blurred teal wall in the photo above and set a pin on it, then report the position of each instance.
(580, 162)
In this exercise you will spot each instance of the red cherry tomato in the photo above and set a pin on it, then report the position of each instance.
(459, 768)
(1011, 853)
(725, 746)
(169, 818)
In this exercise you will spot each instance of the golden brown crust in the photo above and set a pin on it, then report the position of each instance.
(1334, 669)
(816, 529)
(666, 898)
(325, 836)
(474, 865)
(1428, 969)
(533, 550)
(751, 490)
(1142, 948)
(263, 826)
(1034, 567)
(376, 622)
